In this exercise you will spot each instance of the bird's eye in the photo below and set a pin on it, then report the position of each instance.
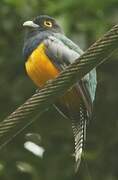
(48, 23)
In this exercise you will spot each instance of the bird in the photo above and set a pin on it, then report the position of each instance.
(47, 51)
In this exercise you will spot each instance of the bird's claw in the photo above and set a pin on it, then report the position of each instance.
(37, 90)
(49, 81)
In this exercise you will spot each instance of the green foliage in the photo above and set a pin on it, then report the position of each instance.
(83, 21)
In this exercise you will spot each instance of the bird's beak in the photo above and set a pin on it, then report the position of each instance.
(30, 24)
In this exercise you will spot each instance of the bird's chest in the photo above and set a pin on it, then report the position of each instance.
(39, 67)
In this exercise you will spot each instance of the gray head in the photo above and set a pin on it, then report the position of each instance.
(43, 23)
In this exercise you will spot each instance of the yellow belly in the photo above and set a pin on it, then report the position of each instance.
(39, 67)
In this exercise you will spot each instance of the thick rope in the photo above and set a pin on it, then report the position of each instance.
(39, 102)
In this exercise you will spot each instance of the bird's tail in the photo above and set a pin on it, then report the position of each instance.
(79, 131)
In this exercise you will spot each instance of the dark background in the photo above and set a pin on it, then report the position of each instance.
(84, 21)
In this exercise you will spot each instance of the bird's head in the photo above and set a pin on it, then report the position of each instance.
(43, 23)
(37, 30)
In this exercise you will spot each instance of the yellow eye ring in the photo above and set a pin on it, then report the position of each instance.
(48, 23)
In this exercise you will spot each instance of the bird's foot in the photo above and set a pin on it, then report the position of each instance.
(37, 90)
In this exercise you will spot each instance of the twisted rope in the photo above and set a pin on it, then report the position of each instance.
(38, 103)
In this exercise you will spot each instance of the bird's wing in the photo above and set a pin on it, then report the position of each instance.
(61, 54)
(79, 103)
(89, 80)
(68, 43)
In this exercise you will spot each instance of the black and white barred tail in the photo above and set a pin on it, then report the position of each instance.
(79, 131)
